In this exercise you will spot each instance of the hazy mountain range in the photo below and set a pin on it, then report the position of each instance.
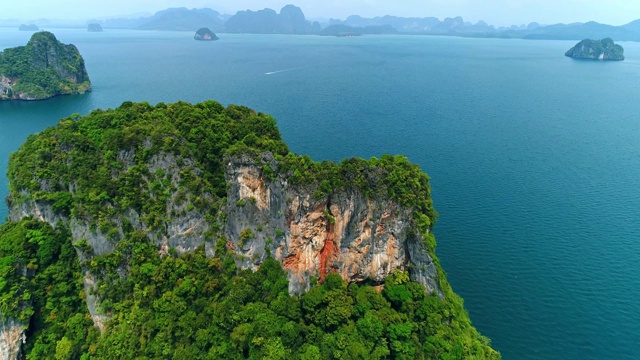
(291, 20)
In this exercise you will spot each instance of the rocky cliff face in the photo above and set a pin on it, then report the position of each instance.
(184, 232)
(361, 239)
(42, 69)
(11, 338)
(346, 233)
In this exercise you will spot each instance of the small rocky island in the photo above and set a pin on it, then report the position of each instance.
(205, 34)
(42, 69)
(30, 27)
(94, 27)
(603, 49)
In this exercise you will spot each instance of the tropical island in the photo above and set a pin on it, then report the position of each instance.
(94, 27)
(191, 231)
(42, 69)
(205, 34)
(30, 27)
(604, 49)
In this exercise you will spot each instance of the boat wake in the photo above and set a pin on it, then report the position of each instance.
(285, 70)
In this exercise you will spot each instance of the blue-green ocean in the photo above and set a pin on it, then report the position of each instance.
(534, 157)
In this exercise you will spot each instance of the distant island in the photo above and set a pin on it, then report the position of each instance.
(205, 34)
(174, 19)
(42, 69)
(604, 49)
(352, 31)
(94, 27)
(30, 27)
(292, 20)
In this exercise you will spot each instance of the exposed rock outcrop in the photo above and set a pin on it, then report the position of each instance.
(12, 338)
(359, 238)
(184, 232)
(347, 233)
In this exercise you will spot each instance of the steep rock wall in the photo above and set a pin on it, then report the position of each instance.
(359, 238)
(184, 232)
(11, 338)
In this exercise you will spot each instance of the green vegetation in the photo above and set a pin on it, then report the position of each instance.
(168, 159)
(603, 49)
(42, 69)
(96, 167)
(41, 285)
(194, 307)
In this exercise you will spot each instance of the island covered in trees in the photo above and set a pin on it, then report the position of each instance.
(205, 34)
(192, 232)
(42, 69)
(30, 27)
(604, 49)
(94, 27)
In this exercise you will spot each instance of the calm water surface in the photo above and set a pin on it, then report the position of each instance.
(534, 157)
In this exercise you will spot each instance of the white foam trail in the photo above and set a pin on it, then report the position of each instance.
(285, 70)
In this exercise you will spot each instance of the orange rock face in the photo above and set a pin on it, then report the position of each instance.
(346, 233)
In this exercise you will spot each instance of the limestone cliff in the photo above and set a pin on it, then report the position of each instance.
(362, 239)
(184, 232)
(345, 232)
(12, 338)
(42, 69)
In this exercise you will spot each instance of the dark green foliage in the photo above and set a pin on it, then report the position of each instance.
(95, 167)
(198, 308)
(201, 308)
(41, 286)
(44, 68)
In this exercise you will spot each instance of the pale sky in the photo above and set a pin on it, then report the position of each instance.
(494, 12)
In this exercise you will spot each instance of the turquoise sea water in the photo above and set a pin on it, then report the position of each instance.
(534, 157)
